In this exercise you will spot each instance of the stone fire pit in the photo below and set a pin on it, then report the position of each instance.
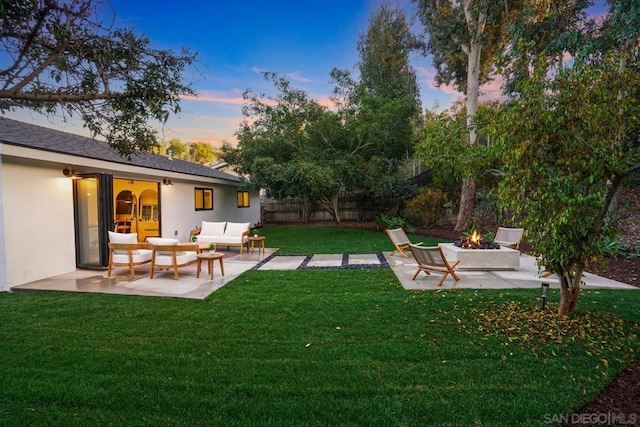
(478, 253)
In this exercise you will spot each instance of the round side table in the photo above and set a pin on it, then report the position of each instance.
(210, 257)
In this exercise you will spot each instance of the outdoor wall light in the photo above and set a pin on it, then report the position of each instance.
(544, 295)
(69, 172)
(167, 181)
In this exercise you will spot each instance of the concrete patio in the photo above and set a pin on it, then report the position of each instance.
(527, 276)
(188, 286)
(162, 285)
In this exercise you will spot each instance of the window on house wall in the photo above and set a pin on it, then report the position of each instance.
(243, 199)
(204, 199)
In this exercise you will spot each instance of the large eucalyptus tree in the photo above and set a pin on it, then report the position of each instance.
(464, 38)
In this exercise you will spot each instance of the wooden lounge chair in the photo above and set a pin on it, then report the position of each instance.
(432, 259)
(400, 241)
(125, 251)
(509, 237)
(169, 254)
(128, 255)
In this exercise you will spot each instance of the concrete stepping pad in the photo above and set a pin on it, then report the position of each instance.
(283, 262)
(325, 260)
(363, 259)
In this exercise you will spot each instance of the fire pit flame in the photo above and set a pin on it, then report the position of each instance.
(476, 241)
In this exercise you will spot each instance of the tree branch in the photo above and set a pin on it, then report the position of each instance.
(28, 43)
(65, 97)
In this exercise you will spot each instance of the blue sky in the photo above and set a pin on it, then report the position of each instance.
(235, 40)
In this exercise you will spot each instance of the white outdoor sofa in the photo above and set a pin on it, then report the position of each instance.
(223, 234)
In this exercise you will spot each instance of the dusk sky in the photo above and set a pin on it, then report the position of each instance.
(236, 40)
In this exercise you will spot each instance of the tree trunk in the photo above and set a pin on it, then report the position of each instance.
(473, 88)
(569, 291)
(467, 204)
(474, 52)
(332, 207)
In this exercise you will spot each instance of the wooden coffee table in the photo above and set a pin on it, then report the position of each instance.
(210, 257)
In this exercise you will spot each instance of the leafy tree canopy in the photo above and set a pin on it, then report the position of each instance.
(176, 148)
(291, 146)
(201, 152)
(454, 27)
(59, 56)
(295, 147)
(387, 95)
(569, 143)
(444, 146)
(550, 30)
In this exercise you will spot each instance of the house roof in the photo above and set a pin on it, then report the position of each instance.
(23, 134)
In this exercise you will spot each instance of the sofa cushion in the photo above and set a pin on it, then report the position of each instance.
(213, 228)
(123, 238)
(236, 228)
(221, 240)
(142, 255)
(163, 260)
(201, 238)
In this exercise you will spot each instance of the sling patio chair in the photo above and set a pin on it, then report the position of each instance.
(400, 241)
(432, 259)
(509, 237)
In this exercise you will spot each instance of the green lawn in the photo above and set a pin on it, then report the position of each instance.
(341, 347)
(328, 240)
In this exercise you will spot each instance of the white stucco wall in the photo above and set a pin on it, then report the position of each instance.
(37, 231)
(38, 223)
(178, 214)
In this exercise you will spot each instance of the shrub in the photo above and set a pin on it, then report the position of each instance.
(427, 208)
(391, 222)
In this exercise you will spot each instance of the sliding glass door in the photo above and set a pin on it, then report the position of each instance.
(93, 210)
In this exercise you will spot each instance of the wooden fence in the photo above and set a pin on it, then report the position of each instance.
(350, 208)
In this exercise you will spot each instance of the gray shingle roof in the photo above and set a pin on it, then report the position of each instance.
(23, 134)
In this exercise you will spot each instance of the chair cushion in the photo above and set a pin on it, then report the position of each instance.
(165, 241)
(213, 228)
(142, 255)
(123, 238)
(163, 260)
(236, 228)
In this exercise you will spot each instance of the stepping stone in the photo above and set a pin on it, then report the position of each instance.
(363, 259)
(283, 263)
(325, 260)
